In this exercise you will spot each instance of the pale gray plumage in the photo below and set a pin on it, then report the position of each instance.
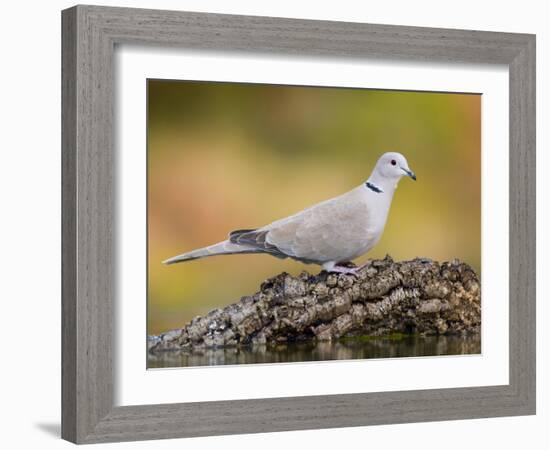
(328, 233)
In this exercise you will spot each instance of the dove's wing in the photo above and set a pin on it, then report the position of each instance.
(334, 230)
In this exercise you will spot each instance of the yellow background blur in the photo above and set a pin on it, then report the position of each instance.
(224, 156)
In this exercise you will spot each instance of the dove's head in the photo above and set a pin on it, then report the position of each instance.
(392, 166)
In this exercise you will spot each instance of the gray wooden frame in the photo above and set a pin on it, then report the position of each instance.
(90, 34)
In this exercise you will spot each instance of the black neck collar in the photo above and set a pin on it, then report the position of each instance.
(373, 187)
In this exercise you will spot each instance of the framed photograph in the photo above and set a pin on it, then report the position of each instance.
(277, 224)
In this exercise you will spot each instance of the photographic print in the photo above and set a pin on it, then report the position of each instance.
(288, 224)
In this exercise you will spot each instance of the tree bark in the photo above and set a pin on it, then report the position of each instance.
(418, 296)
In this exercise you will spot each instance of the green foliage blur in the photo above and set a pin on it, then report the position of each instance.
(223, 156)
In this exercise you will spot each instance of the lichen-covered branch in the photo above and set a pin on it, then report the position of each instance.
(418, 296)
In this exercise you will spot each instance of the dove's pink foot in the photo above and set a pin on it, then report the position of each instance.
(335, 268)
(345, 270)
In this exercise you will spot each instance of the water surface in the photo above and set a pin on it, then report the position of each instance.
(349, 348)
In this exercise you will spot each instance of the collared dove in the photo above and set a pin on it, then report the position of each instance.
(329, 233)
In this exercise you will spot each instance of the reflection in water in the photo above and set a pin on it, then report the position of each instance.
(349, 348)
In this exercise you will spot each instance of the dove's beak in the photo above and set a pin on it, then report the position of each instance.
(409, 173)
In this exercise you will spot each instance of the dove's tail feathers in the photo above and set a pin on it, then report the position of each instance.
(221, 248)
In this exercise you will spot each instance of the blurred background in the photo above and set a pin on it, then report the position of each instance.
(224, 156)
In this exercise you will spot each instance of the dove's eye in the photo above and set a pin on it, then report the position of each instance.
(393, 163)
